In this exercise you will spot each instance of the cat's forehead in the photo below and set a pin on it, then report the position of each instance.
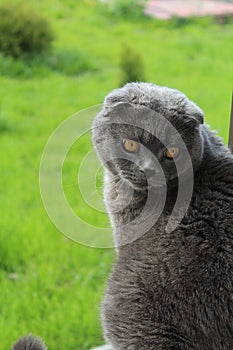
(164, 113)
(163, 100)
(140, 122)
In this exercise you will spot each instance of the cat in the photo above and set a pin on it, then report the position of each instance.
(169, 288)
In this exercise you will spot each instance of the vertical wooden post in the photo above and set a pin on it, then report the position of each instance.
(230, 143)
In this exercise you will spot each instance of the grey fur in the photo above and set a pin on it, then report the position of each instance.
(169, 291)
(29, 342)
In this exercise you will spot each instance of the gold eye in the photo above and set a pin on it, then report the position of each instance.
(131, 146)
(172, 152)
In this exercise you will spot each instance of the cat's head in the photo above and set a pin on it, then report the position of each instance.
(148, 135)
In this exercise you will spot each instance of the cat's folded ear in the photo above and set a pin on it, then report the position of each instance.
(193, 112)
(116, 96)
(188, 121)
(199, 117)
(120, 111)
(193, 120)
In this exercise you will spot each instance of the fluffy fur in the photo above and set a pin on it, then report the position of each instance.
(168, 290)
(29, 342)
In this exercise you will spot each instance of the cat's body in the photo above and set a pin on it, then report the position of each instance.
(172, 290)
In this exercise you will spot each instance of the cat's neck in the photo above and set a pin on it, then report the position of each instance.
(133, 213)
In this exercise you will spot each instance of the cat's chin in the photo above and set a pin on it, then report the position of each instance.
(143, 187)
(136, 187)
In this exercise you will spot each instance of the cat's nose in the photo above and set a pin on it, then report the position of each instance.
(150, 172)
(153, 177)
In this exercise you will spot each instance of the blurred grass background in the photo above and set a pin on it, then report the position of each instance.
(49, 285)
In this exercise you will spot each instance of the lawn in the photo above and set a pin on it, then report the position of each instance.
(50, 285)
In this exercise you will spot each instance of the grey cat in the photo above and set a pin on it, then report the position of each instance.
(172, 283)
(169, 288)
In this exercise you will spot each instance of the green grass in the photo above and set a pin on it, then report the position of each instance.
(50, 285)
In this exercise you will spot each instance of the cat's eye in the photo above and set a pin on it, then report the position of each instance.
(131, 146)
(172, 152)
